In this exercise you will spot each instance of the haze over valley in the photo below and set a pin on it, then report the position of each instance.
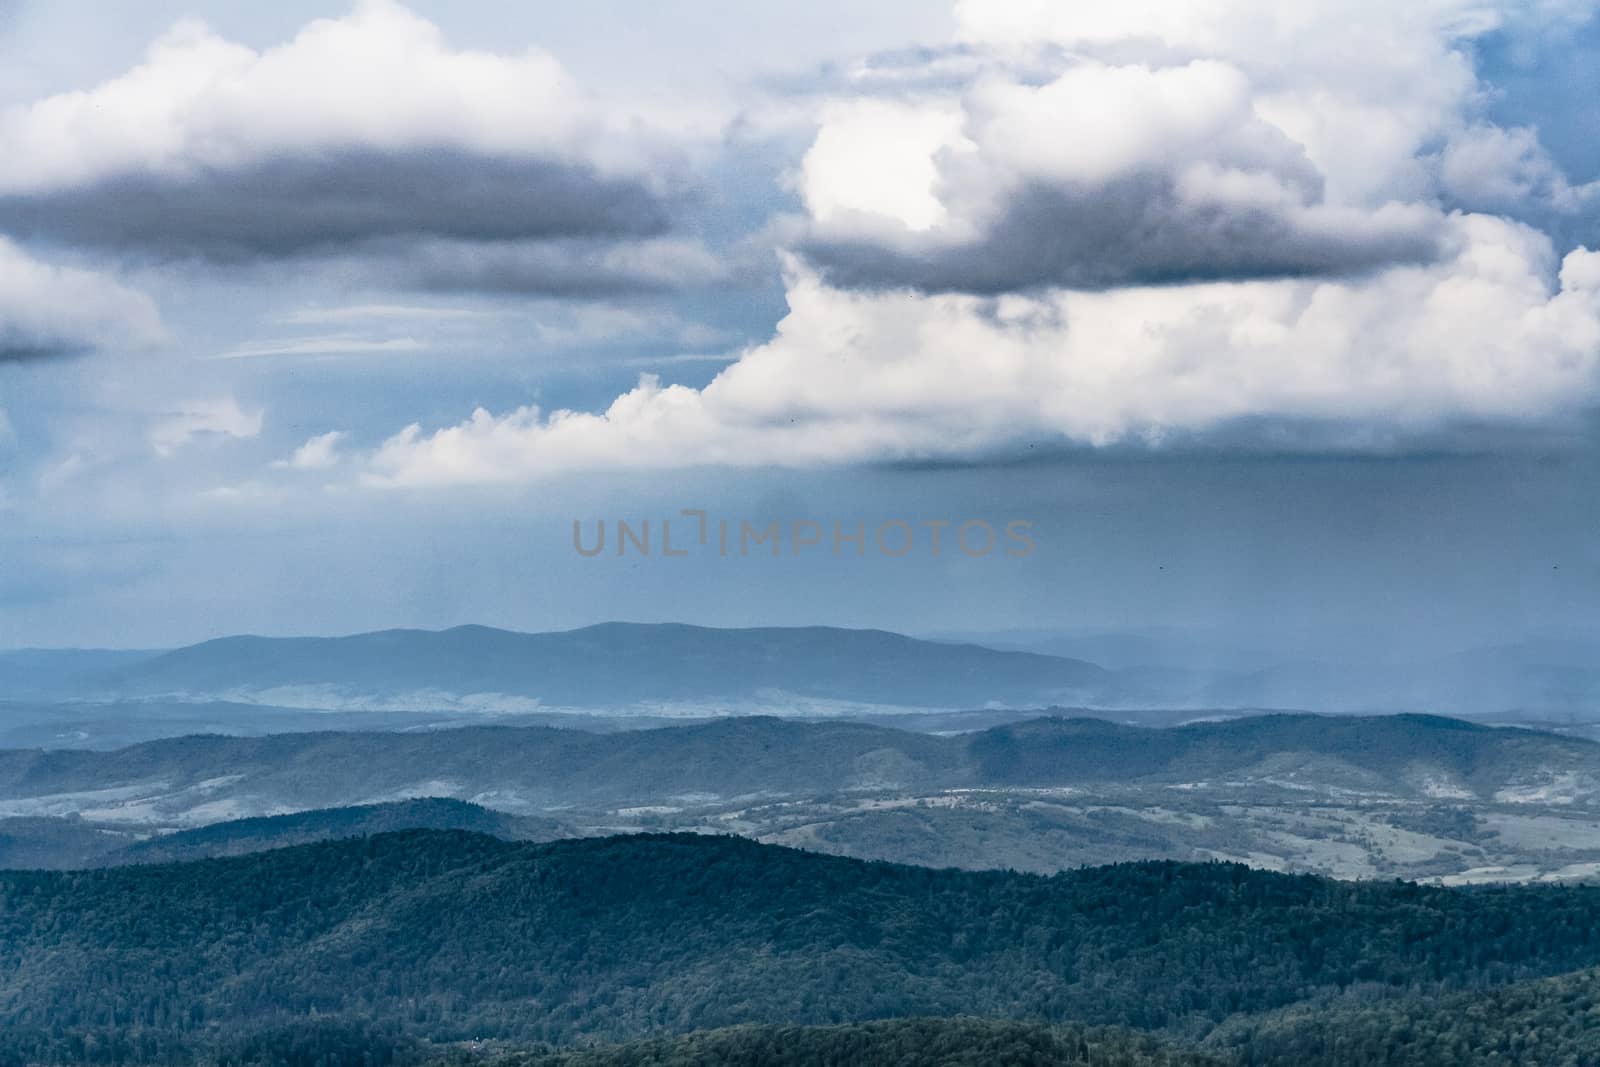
(654, 671)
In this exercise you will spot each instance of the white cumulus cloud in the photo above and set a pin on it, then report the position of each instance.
(381, 77)
(1106, 175)
(318, 453)
(202, 419)
(1497, 331)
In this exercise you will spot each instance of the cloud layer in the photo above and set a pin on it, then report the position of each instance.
(1063, 225)
(288, 205)
(853, 377)
(1128, 224)
(48, 311)
(360, 136)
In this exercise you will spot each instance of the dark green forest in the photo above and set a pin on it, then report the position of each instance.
(1553, 1022)
(959, 1042)
(408, 944)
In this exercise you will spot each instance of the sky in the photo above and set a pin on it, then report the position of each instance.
(1276, 322)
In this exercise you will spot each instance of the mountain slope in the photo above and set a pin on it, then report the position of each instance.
(615, 664)
(449, 936)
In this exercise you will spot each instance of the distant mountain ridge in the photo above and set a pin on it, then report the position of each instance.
(677, 669)
(612, 664)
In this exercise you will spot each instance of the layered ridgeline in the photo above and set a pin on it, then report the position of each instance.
(416, 940)
(532, 769)
(1411, 796)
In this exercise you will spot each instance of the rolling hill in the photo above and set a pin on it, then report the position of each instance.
(1417, 797)
(1418, 755)
(530, 770)
(208, 778)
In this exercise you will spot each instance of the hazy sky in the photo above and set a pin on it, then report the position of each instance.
(1277, 321)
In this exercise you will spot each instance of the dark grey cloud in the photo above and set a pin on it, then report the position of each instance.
(308, 204)
(1133, 231)
(19, 346)
(23, 351)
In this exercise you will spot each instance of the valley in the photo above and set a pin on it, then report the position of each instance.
(1422, 798)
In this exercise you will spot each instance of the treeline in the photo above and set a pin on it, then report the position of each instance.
(959, 1042)
(447, 937)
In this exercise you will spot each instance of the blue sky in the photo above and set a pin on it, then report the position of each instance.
(1275, 321)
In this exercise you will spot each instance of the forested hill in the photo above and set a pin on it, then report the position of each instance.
(1552, 1022)
(445, 936)
(962, 1042)
(1549, 1021)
